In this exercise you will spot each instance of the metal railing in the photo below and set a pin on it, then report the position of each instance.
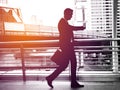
(24, 55)
(50, 33)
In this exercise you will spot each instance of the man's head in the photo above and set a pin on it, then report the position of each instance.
(68, 13)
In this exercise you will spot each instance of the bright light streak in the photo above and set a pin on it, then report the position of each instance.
(48, 11)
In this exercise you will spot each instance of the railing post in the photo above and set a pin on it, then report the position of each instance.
(81, 58)
(114, 35)
(23, 62)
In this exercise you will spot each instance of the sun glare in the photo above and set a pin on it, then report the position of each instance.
(46, 11)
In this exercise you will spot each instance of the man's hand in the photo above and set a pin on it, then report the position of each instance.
(83, 27)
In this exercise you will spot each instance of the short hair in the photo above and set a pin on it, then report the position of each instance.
(68, 10)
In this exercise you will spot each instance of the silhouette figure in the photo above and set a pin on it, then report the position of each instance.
(67, 47)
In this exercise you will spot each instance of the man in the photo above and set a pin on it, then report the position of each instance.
(67, 47)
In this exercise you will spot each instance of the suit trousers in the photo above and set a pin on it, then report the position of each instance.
(68, 56)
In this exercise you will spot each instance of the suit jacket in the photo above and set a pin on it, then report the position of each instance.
(66, 33)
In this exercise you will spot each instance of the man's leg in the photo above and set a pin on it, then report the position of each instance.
(58, 70)
(74, 83)
(73, 67)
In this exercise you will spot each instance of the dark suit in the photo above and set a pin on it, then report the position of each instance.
(67, 47)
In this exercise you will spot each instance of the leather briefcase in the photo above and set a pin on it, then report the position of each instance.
(57, 57)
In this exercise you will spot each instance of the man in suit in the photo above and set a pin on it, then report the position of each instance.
(67, 47)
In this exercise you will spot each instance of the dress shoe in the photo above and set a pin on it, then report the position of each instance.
(76, 85)
(49, 82)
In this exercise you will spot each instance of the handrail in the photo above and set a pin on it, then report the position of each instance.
(99, 39)
(42, 41)
(56, 41)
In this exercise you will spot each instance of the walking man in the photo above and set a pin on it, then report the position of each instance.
(66, 45)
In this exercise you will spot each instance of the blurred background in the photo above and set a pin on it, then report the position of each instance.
(29, 36)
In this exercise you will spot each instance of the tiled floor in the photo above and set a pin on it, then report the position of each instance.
(58, 85)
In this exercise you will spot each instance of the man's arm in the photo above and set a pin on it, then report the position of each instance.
(76, 28)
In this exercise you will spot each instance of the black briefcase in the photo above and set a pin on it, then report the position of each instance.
(57, 57)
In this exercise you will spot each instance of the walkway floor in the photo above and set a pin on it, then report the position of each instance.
(58, 85)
